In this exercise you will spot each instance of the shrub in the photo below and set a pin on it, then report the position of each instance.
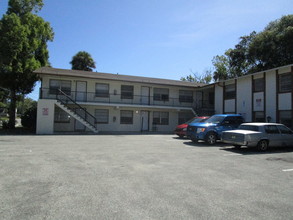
(29, 118)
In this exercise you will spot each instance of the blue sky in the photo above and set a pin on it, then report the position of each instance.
(152, 38)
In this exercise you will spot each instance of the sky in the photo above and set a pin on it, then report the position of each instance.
(152, 38)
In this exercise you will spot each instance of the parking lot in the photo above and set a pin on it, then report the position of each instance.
(141, 177)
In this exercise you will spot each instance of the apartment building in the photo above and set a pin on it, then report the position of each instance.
(259, 97)
(81, 101)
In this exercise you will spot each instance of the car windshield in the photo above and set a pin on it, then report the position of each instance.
(215, 119)
(196, 120)
(248, 127)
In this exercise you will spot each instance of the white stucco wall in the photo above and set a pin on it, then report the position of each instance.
(244, 97)
(45, 116)
(271, 92)
(218, 99)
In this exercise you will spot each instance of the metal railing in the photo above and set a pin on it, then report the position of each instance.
(76, 96)
(66, 100)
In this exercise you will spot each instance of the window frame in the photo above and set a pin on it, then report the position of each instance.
(53, 90)
(63, 116)
(257, 88)
(284, 78)
(104, 94)
(127, 94)
(107, 115)
(161, 96)
(161, 120)
(125, 119)
(187, 98)
(230, 94)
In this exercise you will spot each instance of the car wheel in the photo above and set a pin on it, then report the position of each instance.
(211, 138)
(194, 140)
(263, 145)
(237, 146)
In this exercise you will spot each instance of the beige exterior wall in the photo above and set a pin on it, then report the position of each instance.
(115, 88)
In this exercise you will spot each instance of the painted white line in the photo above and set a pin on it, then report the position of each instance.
(287, 170)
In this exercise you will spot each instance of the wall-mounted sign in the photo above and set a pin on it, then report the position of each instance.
(45, 111)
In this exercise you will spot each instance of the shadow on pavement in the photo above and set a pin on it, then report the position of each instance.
(249, 151)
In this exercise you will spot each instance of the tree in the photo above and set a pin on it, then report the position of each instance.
(23, 43)
(82, 61)
(255, 52)
(206, 77)
(273, 47)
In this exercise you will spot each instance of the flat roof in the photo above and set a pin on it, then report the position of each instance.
(116, 77)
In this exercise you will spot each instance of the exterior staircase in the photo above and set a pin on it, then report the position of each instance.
(69, 105)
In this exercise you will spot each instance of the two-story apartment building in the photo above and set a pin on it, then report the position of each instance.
(78, 101)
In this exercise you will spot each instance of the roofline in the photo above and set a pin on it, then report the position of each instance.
(41, 71)
(252, 74)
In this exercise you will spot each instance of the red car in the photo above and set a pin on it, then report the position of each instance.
(181, 129)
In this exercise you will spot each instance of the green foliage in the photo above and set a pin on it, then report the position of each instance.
(29, 118)
(82, 61)
(268, 49)
(23, 44)
(24, 104)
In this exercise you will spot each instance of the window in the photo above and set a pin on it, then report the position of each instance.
(285, 117)
(102, 116)
(61, 116)
(284, 130)
(271, 129)
(285, 82)
(185, 96)
(126, 92)
(64, 85)
(259, 85)
(126, 117)
(161, 94)
(161, 118)
(259, 117)
(102, 90)
(184, 117)
(230, 91)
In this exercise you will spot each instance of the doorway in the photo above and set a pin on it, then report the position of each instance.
(145, 95)
(144, 120)
(80, 95)
(79, 126)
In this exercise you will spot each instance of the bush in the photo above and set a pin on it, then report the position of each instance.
(29, 118)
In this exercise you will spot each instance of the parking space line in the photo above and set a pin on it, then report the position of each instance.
(287, 170)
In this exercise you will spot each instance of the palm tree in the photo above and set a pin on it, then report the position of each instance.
(83, 61)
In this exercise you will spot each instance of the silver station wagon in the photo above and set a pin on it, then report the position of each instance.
(260, 135)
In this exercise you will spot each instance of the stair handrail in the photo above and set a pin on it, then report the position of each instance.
(65, 103)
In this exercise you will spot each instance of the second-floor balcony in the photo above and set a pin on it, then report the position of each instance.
(128, 99)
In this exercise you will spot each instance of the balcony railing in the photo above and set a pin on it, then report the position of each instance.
(77, 96)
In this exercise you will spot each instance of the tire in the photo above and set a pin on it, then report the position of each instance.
(194, 140)
(237, 146)
(211, 138)
(263, 145)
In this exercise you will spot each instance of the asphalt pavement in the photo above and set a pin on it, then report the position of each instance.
(141, 177)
